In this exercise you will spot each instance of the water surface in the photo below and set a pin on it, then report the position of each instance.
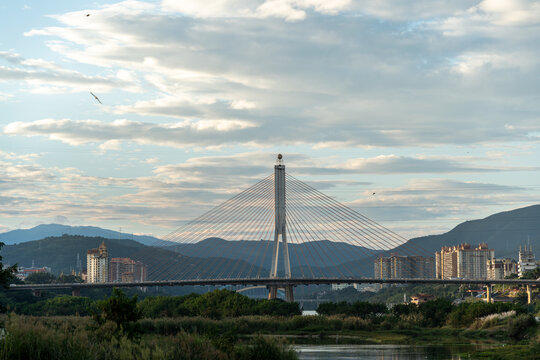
(383, 352)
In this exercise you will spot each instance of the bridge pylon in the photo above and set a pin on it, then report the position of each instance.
(280, 231)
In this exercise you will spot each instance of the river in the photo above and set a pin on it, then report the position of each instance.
(383, 352)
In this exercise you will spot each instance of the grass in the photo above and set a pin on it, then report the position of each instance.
(509, 352)
(78, 338)
(73, 337)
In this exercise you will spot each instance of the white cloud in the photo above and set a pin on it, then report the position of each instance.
(290, 10)
(494, 18)
(399, 10)
(436, 205)
(180, 134)
(511, 12)
(153, 160)
(210, 8)
(110, 145)
(326, 83)
(181, 191)
(471, 63)
(5, 96)
(279, 73)
(243, 105)
(15, 156)
(46, 77)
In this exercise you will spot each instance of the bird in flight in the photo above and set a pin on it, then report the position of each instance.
(373, 194)
(87, 14)
(95, 97)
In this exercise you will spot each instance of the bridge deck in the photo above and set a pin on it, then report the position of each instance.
(271, 282)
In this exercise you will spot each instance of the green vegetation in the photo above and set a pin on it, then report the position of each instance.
(77, 338)
(48, 278)
(118, 308)
(532, 274)
(59, 253)
(58, 306)
(465, 313)
(40, 278)
(431, 314)
(512, 352)
(6, 276)
(358, 308)
(113, 332)
(394, 294)
(216, 305)
(226, 325)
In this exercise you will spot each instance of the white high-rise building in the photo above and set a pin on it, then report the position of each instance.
(463, 261)
(526, 261)
(97, 264)
(498, 269)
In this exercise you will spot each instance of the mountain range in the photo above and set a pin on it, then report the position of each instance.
(49, 230)
(60, 254)
(304, 254)
(504, 232)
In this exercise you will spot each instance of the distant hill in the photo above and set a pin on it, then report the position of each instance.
(60, 254)
(304, 254)
(504, 232)
(47, 230)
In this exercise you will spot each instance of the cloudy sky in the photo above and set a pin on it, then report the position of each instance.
(432, 105)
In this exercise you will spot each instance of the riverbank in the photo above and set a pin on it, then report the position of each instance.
(394, 337)
(231, 338)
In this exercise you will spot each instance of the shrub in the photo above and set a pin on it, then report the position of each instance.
(266, 349)
(358, 308)
(435, 312)
(69, 338)
(519, 326)
(217, 304)
(466, 313)
(118, 308)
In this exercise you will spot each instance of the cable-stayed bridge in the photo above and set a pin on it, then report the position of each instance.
(285, 233)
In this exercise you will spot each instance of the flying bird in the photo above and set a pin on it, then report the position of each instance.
(95, 97)
(87, 14)
(373, 194)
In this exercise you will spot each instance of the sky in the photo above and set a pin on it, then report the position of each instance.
(419, 115)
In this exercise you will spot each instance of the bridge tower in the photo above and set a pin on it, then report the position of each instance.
(280, 231)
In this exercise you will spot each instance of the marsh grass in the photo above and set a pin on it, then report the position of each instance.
(66, 338)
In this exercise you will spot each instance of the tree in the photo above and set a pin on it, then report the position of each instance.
(435, 312)
(40, 278)
(532, 274)
(117, 308)
(7, 274)
(65, 279)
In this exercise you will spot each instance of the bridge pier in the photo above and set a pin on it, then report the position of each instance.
(289, 295)
(488, 293)
(36, 292)
(75, 292)
(272, 292)
(529, 294)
